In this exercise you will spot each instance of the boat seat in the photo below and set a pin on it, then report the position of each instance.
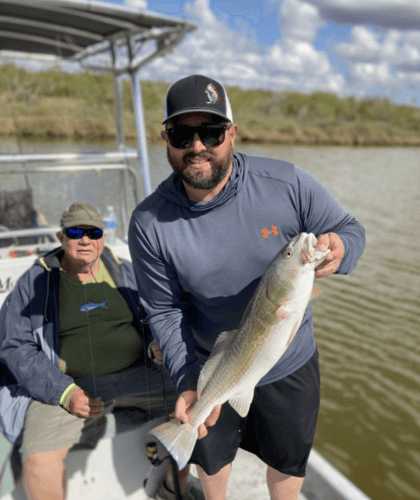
(16, 208)
(16, 212)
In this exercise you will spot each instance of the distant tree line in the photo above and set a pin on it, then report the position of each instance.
(55, 104)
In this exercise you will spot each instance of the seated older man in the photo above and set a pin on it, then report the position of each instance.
(73, 350)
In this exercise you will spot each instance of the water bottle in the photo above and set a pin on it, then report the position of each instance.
(110, 221)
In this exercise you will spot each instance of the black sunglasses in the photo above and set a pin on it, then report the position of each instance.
(76, 233)
(211, 135)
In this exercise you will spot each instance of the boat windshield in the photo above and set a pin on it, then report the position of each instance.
(36, 189)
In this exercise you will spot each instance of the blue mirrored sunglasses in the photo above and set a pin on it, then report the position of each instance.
(77, 233)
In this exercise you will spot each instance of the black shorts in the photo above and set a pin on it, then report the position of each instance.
(279, 428)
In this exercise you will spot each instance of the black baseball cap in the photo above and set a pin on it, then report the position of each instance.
(197, 93)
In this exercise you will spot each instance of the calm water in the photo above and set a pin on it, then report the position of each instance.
(367, 327)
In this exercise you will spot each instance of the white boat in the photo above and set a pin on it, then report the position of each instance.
(119, 40)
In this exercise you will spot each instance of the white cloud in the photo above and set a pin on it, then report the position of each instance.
(383, 59)
(399, 14)
(363, 45)
(370, 74)
(299, 20)
(231, 57)
(137, 4)
(397, 49)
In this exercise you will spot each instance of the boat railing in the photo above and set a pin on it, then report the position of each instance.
(55, 160)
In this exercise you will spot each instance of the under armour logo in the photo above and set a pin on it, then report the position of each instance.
(273, 231)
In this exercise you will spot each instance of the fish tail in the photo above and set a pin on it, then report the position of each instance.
(179, 439)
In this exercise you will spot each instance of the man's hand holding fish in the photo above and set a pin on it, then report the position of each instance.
(183, 407)
(333, 260)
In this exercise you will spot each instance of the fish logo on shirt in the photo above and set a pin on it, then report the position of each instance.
(212, 94)
(91, 306)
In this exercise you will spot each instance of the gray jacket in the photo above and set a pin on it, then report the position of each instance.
(29, 337)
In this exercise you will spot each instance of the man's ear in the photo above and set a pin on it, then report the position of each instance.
(60, 236)
(233, 132)
(164, 135)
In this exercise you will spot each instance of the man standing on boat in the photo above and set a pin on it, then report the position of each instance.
(73, 349)
(200, 245)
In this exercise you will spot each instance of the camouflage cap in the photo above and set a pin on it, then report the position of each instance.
(82, 213)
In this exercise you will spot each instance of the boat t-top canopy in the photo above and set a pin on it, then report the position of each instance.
(97, 35)
(80, 29)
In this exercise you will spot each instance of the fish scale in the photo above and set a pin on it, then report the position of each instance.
(240, 358)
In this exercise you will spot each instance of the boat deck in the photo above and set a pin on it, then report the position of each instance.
(248, 479)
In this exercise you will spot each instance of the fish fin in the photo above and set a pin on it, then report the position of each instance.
(315, 292)
(179, 439)
(276, 290)
(242, 402)
(220, 347)
(284, 312)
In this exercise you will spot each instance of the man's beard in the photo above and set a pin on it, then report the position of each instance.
(219, 169)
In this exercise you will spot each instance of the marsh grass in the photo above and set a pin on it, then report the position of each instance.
(74, 106)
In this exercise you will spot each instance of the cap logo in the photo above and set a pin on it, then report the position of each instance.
(212, 94)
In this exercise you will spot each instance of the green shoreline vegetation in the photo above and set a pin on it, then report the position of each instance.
(80, 106)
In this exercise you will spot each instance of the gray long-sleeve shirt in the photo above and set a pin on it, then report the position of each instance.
(197, 264)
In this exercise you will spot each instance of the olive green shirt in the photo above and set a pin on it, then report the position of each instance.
(97, 335)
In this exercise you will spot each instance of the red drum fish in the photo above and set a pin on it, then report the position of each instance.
(240, 358)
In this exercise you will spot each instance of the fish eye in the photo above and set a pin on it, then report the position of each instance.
(289, 253)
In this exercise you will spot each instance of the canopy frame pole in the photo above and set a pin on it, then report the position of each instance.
(140, 123)
(119, 106)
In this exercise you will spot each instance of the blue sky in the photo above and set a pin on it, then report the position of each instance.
(348, 47)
